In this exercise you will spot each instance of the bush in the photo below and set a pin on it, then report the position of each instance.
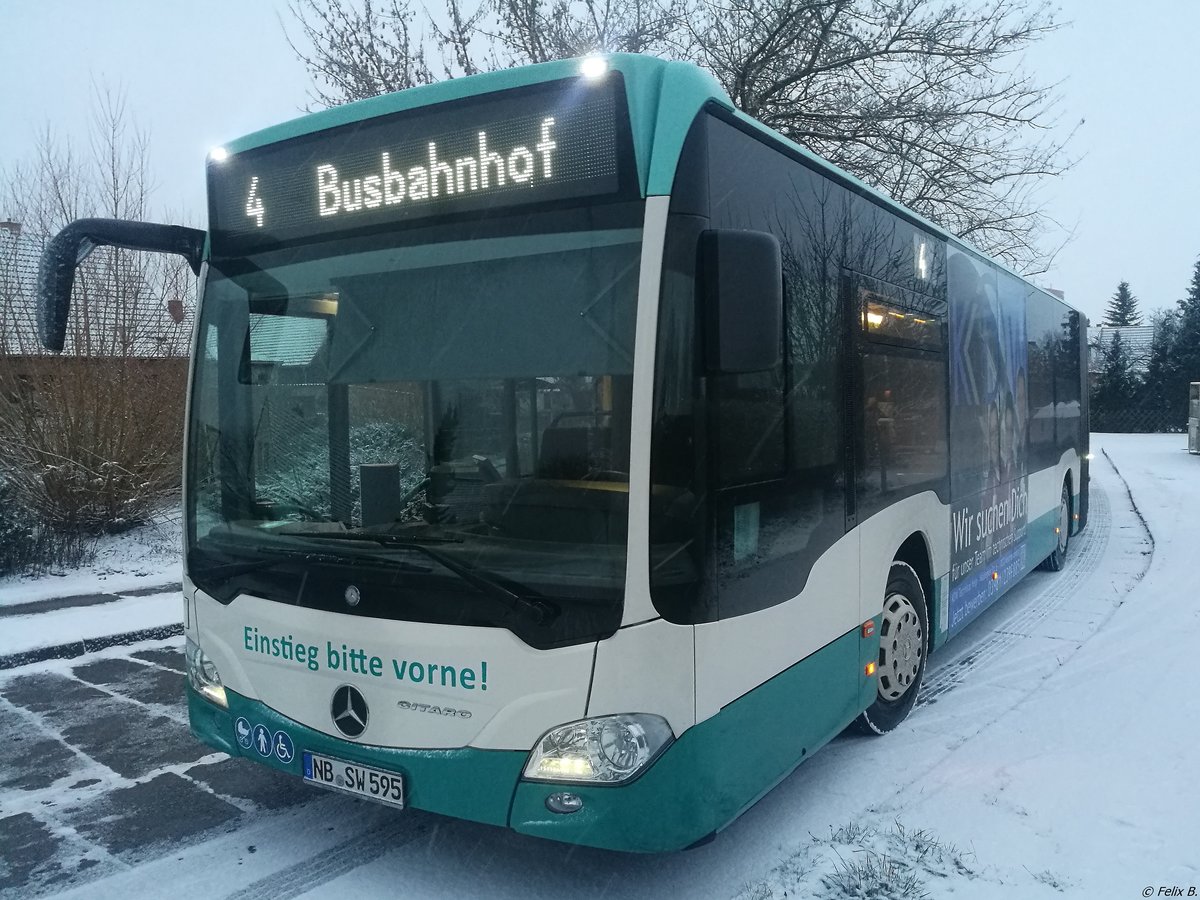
(28, 547)
(18, 537)
(91, 444)
(299, 465)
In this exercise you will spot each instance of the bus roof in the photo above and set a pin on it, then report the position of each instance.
(659, 128)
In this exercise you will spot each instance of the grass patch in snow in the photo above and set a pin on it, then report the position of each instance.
(863, 863)
(144, 556)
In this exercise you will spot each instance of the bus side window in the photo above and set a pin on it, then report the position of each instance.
(778, 499)
(749, 427)
(1043, 341)
(1067, 393)
(903, 438)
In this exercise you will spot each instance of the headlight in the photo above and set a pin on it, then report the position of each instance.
(604, 750)
(203, 675)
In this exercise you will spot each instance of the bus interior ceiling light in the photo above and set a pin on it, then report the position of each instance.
(593, 67)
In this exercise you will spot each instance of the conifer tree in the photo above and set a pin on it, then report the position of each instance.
(1174, 358)
(1122, 308)
(1162, 373)
(1115, 388)
(1187, 340)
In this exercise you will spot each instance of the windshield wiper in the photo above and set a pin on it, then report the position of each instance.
(541, 611)
(274, 556)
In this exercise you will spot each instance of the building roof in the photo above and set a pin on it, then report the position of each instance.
(1136, 341)
(120, 309)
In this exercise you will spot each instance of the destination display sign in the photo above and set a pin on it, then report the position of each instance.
(564, 140)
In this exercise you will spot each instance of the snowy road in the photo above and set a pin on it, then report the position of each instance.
(1046, 749)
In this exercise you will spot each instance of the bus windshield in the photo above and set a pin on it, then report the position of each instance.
(417, 427)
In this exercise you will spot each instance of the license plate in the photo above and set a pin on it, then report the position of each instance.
(351, 778)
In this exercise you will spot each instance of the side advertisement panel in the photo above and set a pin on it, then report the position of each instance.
(989, 411)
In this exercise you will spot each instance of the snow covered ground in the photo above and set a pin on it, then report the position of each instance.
(148, 556)
(80, 624)
(1051, 755)
(1062, 763)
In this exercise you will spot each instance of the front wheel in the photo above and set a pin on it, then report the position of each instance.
(1054, 562)
(903, 645)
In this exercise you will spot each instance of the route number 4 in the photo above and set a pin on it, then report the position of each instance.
(254, 204)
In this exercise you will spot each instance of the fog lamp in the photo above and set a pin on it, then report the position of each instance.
(563, 802)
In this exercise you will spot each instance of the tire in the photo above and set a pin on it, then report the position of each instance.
(903, 647)
(1054, 562)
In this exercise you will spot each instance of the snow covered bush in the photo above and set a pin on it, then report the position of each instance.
(28, 546)
(92, 445)
(18, 537)
(297, 472)
(90, 439)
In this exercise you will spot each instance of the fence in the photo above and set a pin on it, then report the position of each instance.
(1194, 417)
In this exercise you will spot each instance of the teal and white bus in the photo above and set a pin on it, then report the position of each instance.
(569, 452)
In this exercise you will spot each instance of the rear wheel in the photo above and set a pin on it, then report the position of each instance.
(1055, 560)
(903, 644)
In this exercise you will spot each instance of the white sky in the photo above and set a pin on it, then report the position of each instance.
(199, 74)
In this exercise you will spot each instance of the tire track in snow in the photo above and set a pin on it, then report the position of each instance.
(333, 862)
(1090, 548)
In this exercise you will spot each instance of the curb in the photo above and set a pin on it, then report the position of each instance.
(88, 645)
(50, 604)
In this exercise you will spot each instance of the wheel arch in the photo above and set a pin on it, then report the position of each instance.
(1069, 481)
(915, 551)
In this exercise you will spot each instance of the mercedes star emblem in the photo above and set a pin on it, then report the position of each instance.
(349, 711)
(353, 595)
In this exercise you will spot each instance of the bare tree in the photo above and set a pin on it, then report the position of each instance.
(925, 100)
(91, 439)
(535, 31)
(355, 49)
(921, 99)
(358, 51)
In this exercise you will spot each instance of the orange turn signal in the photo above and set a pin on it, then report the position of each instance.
(995, 576)
(870, 669)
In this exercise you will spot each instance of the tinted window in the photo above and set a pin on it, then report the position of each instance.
(902, 440)
(679, 560)
(353, 402)
(893, 250)
(773, 441)
(1043, 340)
(1067, 382)
(768, 536)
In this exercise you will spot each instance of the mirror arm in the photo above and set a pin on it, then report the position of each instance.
(72, 245)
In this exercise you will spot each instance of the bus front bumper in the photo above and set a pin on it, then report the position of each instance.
(703, 781)
(651, 814)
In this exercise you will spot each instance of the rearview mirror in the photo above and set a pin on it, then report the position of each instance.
(72, 245)
(741, 278)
